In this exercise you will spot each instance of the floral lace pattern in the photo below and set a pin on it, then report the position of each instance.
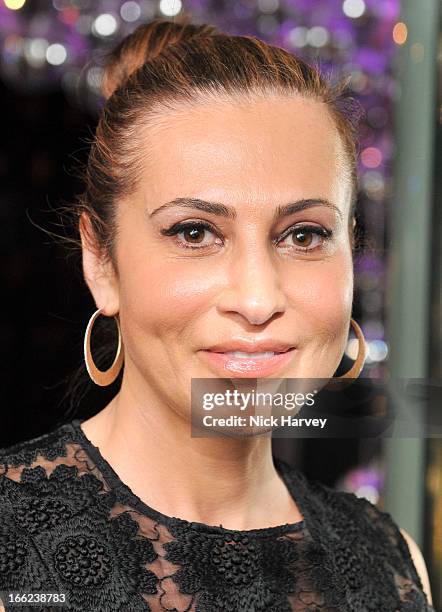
(70, 525)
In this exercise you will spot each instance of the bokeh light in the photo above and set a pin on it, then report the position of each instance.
(371, 157)
(268, 6)
(400, 33)
(297, 37)
(35, 51)
(169, 8)
(56, 54)
(14, 5)
(354, 8)
(318, 36)
(130, 11)
(104, 25)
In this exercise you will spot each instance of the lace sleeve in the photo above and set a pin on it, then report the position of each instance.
(388, 526)
(370, 555)
(392, 547)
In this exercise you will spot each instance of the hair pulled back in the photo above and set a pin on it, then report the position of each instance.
(164, 64)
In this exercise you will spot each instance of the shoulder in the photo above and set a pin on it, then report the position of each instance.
(419, 562)
(48, 466)
(41, 479)
(49, 445)
(360, 514)
(48, 490)
(352, 523)
(25, 467)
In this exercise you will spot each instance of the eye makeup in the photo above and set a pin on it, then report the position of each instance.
(190, 234)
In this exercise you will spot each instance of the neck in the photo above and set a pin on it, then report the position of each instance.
(217, 481)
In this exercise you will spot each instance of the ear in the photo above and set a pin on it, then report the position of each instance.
(98, 271)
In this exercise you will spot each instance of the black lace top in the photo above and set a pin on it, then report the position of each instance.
(69, 525)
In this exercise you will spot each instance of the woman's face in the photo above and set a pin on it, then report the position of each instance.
(214, 255)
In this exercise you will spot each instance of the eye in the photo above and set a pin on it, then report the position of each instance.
(193, 234)
(305, 237)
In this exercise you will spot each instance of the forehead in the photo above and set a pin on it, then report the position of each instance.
(266, 150)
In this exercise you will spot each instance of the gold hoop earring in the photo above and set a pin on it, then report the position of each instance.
(100, 377)
(340, 382)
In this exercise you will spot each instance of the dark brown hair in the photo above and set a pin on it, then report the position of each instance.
(165, 63)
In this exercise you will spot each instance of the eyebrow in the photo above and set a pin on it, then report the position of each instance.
(222, 210)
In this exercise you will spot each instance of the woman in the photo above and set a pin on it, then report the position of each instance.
(217, 227)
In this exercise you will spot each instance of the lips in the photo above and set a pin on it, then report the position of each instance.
(249, 359)
(251, 346)
(244, 355)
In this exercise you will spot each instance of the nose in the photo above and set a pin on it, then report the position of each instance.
(253, 288)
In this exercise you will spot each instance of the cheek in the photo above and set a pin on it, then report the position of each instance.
(164, 298)
(322, 297)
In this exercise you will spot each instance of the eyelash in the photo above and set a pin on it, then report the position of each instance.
(174, 230)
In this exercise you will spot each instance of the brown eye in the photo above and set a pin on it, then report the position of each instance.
(194, 234)
(302, 238)
(305, 238)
